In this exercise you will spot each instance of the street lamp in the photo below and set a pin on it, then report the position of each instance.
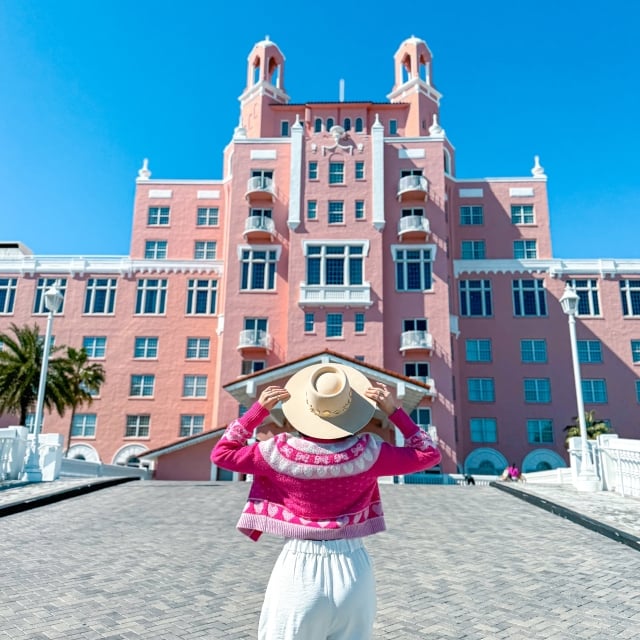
(587, 479)
(52, 302)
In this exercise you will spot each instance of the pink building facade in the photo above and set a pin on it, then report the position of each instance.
(343, 228)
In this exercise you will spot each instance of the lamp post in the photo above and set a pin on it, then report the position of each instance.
(32, 471)
(587, 479)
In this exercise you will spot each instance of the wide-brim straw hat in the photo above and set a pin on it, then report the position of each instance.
(327, 401)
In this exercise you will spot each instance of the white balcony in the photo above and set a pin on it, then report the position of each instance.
(416, 341)
(429, 382)
(259, 226)
(413, 225)
(260, 188)
(254, 339)
(335, 295)
(412, 188)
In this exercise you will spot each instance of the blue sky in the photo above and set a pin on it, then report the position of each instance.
(89, 88)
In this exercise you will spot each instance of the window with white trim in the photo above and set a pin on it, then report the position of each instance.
(413, 268)
(191, 425)
(151, 296)
(207, 217)
(142, 385)
(8, 288)
(359, 170)
(205, 250)
(587, 290)
(83, 425)
(411, 211)
(471, 215)
(340, 264)
(635, 351)
(522, 214)
(422, 417)
(284, 128)
(155, 250)
(540, 431)
(529, 298)
(313, 170)
(393, 127)
(481, 389)
(41, 288)
(630, 293)
(137, 426)
(346, 125)
(594, 391)
(537, 390)
(145, 348)
(478, 349)
(330, 123)
(335, 212)
(201, 297)
(589, 351)
(525, 249)
(194, 386)
(472, 250)
(475, 298)
(358, 322)
(95, 346)
(252, 366)
(258, 270)
(158, 216)
(415, 324)
(359, 128)
(309, 322)
(197, 348)
(533, 350)
(312, 210)
(100, 296)
(483, 429)
(334, 326)
(419, 371)
(359, 210)
(317, 125)
(336, 173)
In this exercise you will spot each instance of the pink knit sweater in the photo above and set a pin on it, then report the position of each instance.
(318, 490)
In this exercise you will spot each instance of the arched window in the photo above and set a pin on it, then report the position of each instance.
(447, 161)
(358, 125)
(317, 125)
(347, 124)
(329, 123)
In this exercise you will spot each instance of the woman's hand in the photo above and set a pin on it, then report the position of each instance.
(270, 397)
(382, 397)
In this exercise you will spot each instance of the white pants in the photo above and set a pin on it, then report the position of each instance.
(320, 590)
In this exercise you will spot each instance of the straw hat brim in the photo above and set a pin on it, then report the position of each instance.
(301, 418)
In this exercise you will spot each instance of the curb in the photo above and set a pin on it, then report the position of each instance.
(569, 514)
(62, 494)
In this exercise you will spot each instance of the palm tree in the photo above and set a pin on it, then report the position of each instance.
(594, 426)
(20, 364)
(84, 379)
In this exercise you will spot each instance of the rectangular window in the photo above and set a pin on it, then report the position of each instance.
(312, 210)
(540, 431)
(594, 391)
(537, 390)
(638, 390)
(393, 127)
(481, 389)
(252, 366)
(413, 269)
(137, 426)
(197, 348)
(155, 250)
(158, 216)
(525, 249)
(194, 386)
(419, 371)
(471, 215)
(589, 351)
(472, 250)
(587, 290)
(336, 212)
(83, 425)
(334, 264)
(533, 351)
(359, 210)
(422, 417)
(309, 323)
(630, 293)
(142, 385)
(95, 346)
(205, 250)
(207, 217)
(201, 297)
(313, 170)
(334, 325)
(483, 430)
(145, 348)
(258, 270)
(41, 288)
(284, 128)
(529, 298)
(412, 211)
(8, 287)
(100, 296)
(478, 350)
(359, 170)
(336, 172)
(475, 298)
(522, 214)
(635, 351)
(359, 322)
(151, 296)
(191, 425)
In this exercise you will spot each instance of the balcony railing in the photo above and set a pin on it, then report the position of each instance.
(260, 187)
(418, 340)
(413, 224)
(413, 187)
(254, 339)
(259, 225)
(335, 295)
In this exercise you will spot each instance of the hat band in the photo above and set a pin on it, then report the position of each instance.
(330, 413)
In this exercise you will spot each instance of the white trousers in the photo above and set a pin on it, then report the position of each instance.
(320, 590)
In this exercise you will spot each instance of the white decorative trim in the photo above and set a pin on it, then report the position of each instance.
(470, 193)
(377, 174)
(485, 453)
(259, 247)
(295, 175)
(404, 154)
(88, 452)
(365, 244)
(414, 247)
(601, 267)
(264, 154)
(160, 193)
(521, 192)
(204, 194)
(128, 451)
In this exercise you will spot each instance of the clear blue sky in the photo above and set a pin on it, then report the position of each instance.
(89, 88)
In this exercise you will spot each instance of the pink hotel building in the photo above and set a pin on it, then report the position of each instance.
(338, 231)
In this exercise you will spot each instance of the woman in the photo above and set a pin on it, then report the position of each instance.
(319, 490)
